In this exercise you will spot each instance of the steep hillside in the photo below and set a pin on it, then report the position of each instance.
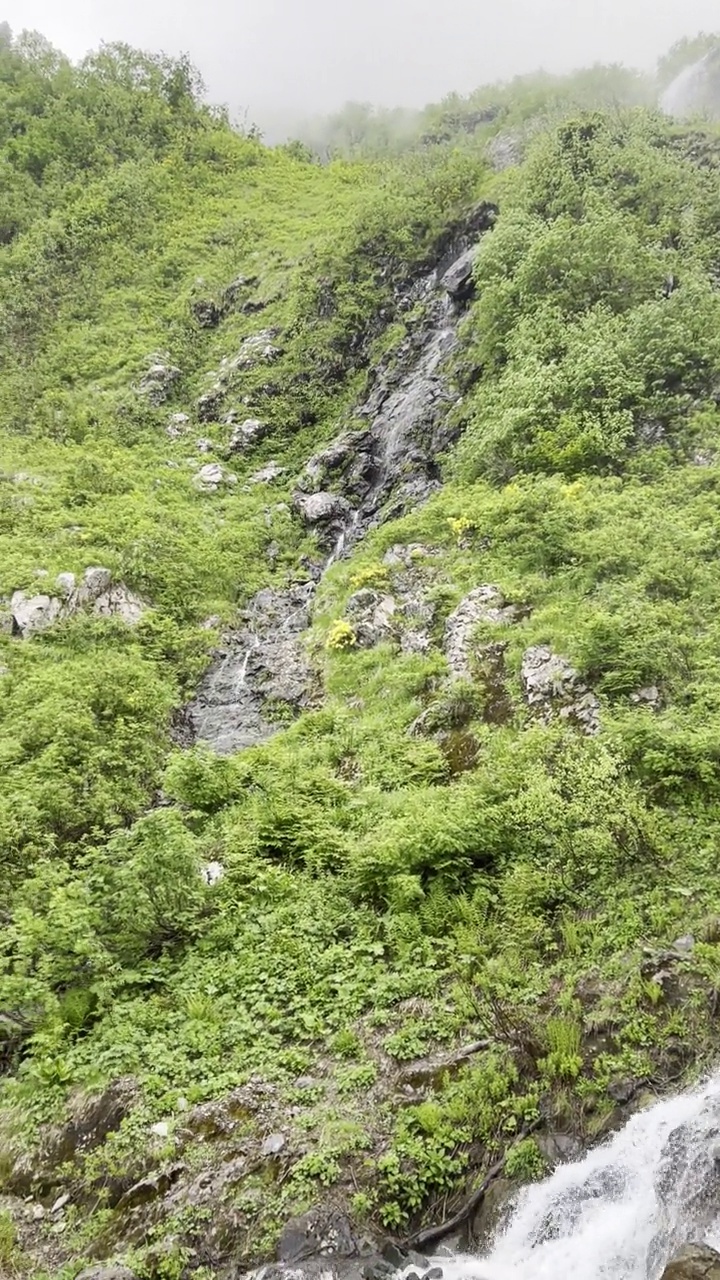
(359, 538)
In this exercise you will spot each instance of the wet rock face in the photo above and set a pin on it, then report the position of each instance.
(553, 687)
(688, 1188)
(693, 1262)
(391, 465)
(261, 671)
(364, 477)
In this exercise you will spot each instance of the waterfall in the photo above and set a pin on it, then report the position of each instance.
(696, 90)
(621, 1211)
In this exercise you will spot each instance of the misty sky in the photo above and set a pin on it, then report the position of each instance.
(273, 57)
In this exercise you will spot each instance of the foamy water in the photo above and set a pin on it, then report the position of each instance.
(621, 1212)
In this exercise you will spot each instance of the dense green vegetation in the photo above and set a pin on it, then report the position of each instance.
(405, 870)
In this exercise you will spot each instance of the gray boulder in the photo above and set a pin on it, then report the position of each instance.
(178, 424)
(267, 474)
(96, 580)
(212, 477)
(552, 687)
(65, 584)
(319, 508)
(247, 434)
(157, 383)
(33, 614)
(259, 348)
(484, 604)
(458, 279)
(120, 602)
(649, 697)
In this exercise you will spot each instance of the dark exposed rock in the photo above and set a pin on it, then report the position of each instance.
(458, 279)
(495, 1205)
(210, 403)
(260, 667)
(391, 465)
(206, 313)
(364, 477)
(317, 1233)
(147, 1189)
(557, 1148)
(92, 1118)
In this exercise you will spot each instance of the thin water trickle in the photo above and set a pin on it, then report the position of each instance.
(624, 1209)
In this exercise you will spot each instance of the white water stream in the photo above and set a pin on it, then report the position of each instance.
(624, 1209)
(694, 90)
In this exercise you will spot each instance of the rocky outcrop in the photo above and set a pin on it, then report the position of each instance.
(484, 604)
(391, 465)
(212, 477)
(693, 1262)
(156, 385)
(372, 615)
(458, 279)
(92, 1117)
(362, 478)
(97, 593)
(178, 425)
(246, 435)
(552, 687)
(267, 474)
(259, 676)
(257, 349)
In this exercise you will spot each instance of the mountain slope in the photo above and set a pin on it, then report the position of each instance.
(401, 477)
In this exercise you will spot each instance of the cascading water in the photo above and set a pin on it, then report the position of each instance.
(696, 90)
(622, 1211)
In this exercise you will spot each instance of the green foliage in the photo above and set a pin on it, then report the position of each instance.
(377, 900)
(524, 1161)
